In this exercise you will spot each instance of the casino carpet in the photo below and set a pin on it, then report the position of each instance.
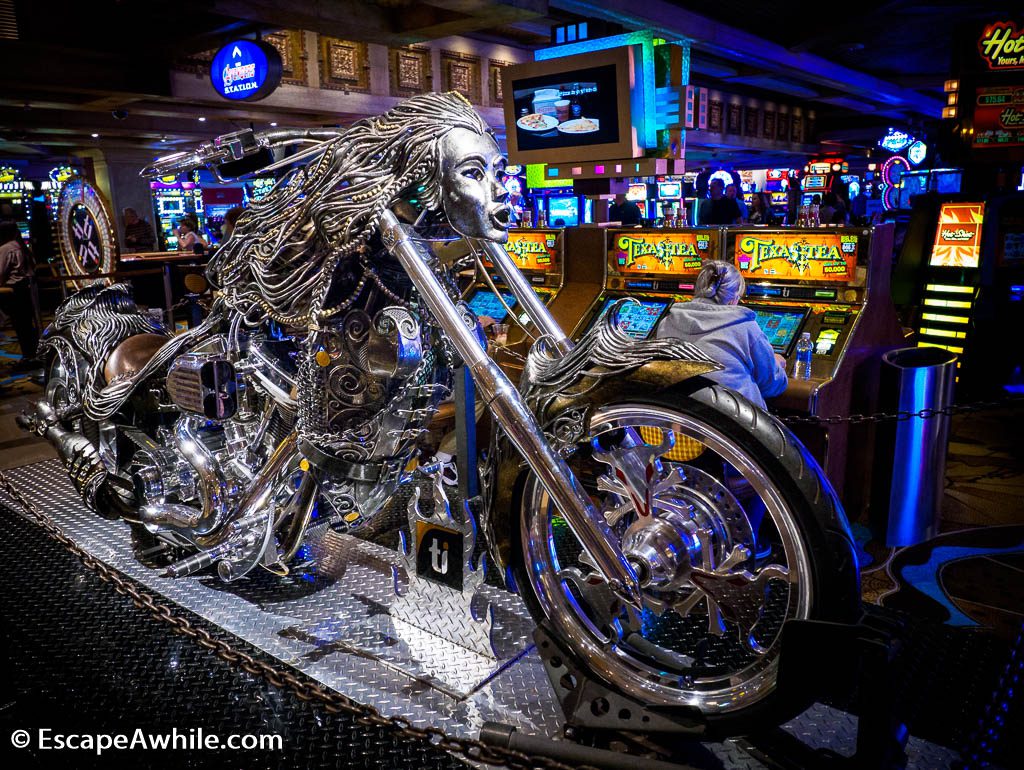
(972, 574)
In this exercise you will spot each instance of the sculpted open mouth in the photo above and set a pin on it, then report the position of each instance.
(501, 217)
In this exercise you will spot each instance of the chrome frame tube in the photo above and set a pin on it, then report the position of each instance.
(531, 303)
(510, 410)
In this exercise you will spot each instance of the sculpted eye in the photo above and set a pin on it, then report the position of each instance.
(474, 173)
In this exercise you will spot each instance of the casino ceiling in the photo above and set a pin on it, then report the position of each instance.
(72, 70)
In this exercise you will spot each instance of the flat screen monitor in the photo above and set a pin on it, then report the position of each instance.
(814, 183)
(637, 319)
(484, 302)
(670, 191)
(571, 108)
(946, 180)
(912, 183)
(637, 192)
(958, 235)
(780, 325)
(563, 211)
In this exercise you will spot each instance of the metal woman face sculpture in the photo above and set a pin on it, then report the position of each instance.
(472, 196)
(286, 248)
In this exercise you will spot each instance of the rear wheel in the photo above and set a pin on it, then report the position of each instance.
(732, 529)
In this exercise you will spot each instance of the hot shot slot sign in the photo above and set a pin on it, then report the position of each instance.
(797, 256)
(958, 236)
(659, 252)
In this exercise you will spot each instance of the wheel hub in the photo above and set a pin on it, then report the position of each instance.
(663, 550)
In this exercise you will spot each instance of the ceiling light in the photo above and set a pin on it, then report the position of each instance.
(202, 119)
(274, 123)
(95, 136)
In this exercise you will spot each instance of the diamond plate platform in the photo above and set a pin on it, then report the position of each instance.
(340, 626)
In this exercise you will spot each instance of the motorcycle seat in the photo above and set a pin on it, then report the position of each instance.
(131, 354)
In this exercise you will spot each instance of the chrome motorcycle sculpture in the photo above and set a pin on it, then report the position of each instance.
(660, 528)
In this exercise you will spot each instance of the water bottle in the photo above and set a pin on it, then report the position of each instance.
(804, 355)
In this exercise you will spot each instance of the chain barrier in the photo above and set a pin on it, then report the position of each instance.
(305, 690)
(900, 416)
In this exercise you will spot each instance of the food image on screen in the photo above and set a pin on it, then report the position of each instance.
(779, 326)
(637, 319)
(486, 303)
(579, 126)
(537, 122)
(572, 108)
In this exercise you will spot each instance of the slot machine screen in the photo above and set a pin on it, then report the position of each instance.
(485, 302)
(670, 191)
(637, 319)
(563, 211)
(637, 192)
(946, 181)
(780, 325)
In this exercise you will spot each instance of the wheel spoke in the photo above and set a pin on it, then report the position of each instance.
(711, 619)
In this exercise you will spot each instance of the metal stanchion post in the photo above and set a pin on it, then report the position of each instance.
(910, 471)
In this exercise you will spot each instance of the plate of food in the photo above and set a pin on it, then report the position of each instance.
(537, 121)
(580, 126)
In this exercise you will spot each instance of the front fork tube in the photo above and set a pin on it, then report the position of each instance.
(512, 413)
(527, 298)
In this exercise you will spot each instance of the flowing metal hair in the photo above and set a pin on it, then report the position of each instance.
(281, 256)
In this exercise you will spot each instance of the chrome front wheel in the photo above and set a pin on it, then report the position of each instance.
(727, 545)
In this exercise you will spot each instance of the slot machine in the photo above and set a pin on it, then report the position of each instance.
(951, 279)
(654, 267)
(558, 264)
(17, 193)
(969, 289)
(834, 284)
(172, 200)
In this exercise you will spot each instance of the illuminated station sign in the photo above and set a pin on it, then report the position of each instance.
(246, 70)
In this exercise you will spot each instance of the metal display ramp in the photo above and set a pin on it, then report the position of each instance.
(364, 626)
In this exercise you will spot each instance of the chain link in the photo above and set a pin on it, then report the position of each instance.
(304, 689)
(899, 416)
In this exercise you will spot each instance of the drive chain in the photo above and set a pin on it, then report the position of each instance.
(899, 416)
(304, 689)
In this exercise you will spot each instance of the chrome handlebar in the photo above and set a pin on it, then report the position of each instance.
(235, 146)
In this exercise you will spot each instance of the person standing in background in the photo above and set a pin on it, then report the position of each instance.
(761, 210)
(732, 191)
(624, 211)
(138, 235)
(718, 209)
(16, 270)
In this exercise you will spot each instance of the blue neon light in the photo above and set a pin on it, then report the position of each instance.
(245, 70)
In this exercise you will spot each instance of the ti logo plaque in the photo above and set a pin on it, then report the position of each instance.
(439, 555)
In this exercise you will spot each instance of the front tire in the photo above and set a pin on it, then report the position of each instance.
(742, 492)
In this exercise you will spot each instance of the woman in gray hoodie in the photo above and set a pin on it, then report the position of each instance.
(716, 323)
